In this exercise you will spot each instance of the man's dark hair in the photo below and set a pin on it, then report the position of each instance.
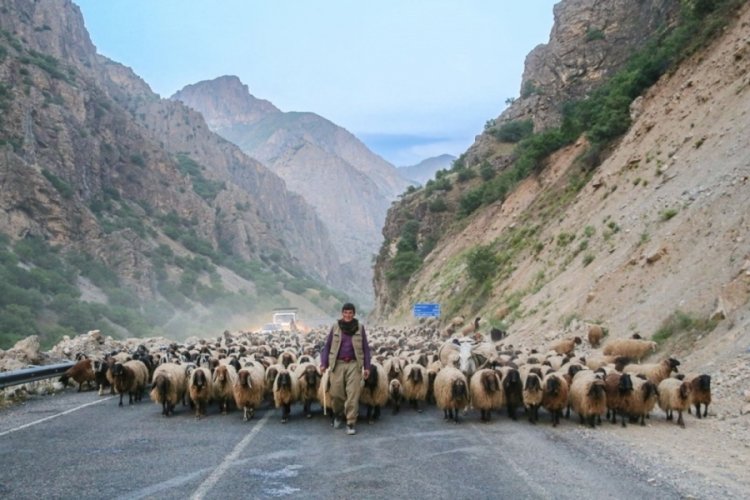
(349, 307)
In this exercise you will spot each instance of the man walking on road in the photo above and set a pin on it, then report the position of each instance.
(347, 353)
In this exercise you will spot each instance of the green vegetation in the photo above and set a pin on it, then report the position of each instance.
(481, 263)
(594, 34)
(667, 214)
(513, 131)
(205, 188)
(679, 323)
(407, 259)
(62, 187)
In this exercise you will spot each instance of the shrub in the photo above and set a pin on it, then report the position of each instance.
(438, 205)
(481, 263)
(680, 322)
(61, 186)
(513, 131)
(667, 214)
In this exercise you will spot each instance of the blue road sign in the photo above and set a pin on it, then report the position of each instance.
(426, 310)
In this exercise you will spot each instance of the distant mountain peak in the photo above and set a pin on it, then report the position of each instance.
(225, 101)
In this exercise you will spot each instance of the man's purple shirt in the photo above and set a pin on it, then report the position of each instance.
(346, 351)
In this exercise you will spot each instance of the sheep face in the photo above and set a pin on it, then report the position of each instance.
(459, 390)
(490, 382)
(118, 370)
(596, 391)
(573, 369)
(244, 378)
(532, 383)
(684, 391)
(371, 382)
(284, 380)
(415, 376)
(626, 384)
(553, 386)
(673, 364)
(200, 380)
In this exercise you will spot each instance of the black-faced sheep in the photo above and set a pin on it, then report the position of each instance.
(81, 372)
(595, 334)
(486, 389)
(130, 377)
(101, 380)
(700, 386)
(513, 390)
(224, 378)
(654, 372)
(285, 392)
(674, 394)
(619, 388)
(168, 386)
(451, 392)
(642, 400)
(565, 346)
(308, 381)
(471, 328)
(635, 349)
(249, 388)
(555, 396)
(396, 394)
(588, 397)
(200, 390)
(374, 394)
(415, 384)
(532, 395)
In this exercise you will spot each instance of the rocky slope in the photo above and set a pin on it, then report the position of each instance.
(657, 232)
(350, 187)
(91, 160)
(425, 170)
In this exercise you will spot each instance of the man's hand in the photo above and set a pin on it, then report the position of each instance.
(366, 374)
(323, 369)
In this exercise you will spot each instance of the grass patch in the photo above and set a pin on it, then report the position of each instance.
(679, 323)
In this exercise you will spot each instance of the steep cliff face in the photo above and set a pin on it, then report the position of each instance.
(650, 234)
(92, 160)
(350, 187)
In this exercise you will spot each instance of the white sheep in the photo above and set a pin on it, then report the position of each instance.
(674, 394)
(451, 392)
(224, 378)
(249, 388)
(486, 390)
(168, 386)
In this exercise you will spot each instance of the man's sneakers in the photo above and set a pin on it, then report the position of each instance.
(350, 430)
(337, 423)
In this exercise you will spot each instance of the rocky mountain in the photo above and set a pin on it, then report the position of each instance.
(93, 163)
(425, 169)
(630, 213)
(350, 187)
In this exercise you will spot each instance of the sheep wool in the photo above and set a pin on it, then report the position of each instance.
(641, 401)
(635, 349)
(200, 390)
(674, 394)
(654, 372)
(555, 395)
(168, 386)
(249, 388)
(130, 377)
(82, 371)
(415, 384)
(374, 393)
(588, 397)
(285, 392)
(224, 378)
(451, 392)
(700, 385)
(595, 334)
(308, 380)
(486, 390)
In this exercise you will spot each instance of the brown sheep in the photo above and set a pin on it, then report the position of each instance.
(200, 390)
(451, 392)
(565, 346)
(618, 387)
(635, 349)
(654, 372)
(130, 377)
(588, 396)
(700, 385)
(555, 396)
(596, 333)
(81, 372)
(486, 388)
(249, 388)
(641, 401)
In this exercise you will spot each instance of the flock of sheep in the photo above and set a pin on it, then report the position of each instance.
(454, 369)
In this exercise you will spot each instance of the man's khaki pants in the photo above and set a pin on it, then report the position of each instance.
(346, 384)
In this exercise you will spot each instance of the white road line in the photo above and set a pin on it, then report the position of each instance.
(35, 422)
(227, 462)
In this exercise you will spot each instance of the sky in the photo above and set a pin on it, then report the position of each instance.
(412, 79)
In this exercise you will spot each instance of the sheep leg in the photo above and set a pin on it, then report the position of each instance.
(79, 386)
(455, 415)
(669, 415)
(308, 413)
(705, 410)
(446, 414)
(697, 410)
(121, 395)
(680, 422)
(376, 415)
(285, 411)
(592, 421)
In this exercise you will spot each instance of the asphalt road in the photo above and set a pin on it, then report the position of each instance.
(81, 445)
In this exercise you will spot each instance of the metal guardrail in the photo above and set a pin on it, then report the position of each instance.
(32, 374)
